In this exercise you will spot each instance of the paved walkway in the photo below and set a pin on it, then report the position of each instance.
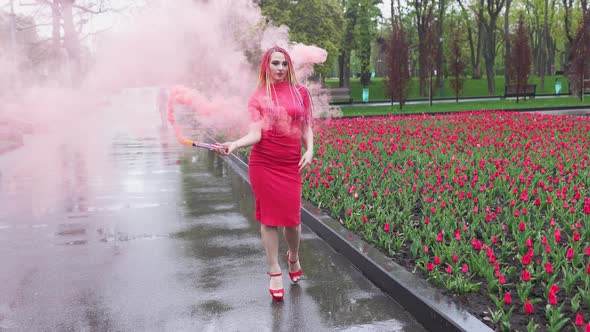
(157, 237)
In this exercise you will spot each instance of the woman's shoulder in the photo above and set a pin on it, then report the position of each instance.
(302, 89)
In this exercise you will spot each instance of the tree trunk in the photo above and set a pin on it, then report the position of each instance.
(489, 56)
(439, 77)
(71, 42)
(544, 46)
(55, 37)
(506, 37)
(480, 30)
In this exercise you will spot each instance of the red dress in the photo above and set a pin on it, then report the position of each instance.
(273, 165)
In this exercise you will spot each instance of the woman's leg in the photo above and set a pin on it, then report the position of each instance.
(292, 236)
(270, 241)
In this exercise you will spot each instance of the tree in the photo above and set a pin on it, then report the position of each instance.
(475, 46)
(424, 11)
(490, 22)
(350, 15)
(314, 22)
(456, 61)
(368, 12)
(579, 73)
(68, 19)
(397, 64)
(518, 63)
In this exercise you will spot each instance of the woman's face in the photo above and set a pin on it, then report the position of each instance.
(278, 67)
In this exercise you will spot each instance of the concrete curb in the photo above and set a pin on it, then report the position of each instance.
(434, 310)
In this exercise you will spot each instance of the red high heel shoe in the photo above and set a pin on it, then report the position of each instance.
(277, 294)
(295, 276)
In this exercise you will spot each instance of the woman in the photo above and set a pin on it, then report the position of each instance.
(280, 116)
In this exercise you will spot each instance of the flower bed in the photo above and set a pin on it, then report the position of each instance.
(494, 206)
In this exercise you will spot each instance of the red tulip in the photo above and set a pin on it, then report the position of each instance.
(557, 235)
(529, 242)
(427, 220)
(436, 260)
(526, 275)
(588, 268)
(570, 253)
(521, 227)
(465, 268)
(507, 298)
(455, 258)
(587, 328)
(502, 279)
(386, 227)
(528, 308)
(449, 269)
(579, 319)
(544, 240)
(425, 249)
(552, 298)
(349, 212)
(526, 259)
(365, 219)
(587, 252)
(439, 237)
(429, 266)
(495, 240)
(548, 268)
(576, 236)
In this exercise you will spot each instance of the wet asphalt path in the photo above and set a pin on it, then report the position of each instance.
(164, 241)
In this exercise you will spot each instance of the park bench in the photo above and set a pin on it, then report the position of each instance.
(529, 91)
(339, 95)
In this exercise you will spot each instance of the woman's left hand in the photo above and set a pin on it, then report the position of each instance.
(305, 161)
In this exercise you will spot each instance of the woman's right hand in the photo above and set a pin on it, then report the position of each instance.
(228, 148)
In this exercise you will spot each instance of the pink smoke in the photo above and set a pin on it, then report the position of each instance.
(208, 47)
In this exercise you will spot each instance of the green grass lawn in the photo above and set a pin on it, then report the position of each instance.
(464, 106)
(473, 88)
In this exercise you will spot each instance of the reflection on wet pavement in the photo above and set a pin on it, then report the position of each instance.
(165, 241)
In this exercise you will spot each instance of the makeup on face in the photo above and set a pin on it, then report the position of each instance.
(279, 67)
